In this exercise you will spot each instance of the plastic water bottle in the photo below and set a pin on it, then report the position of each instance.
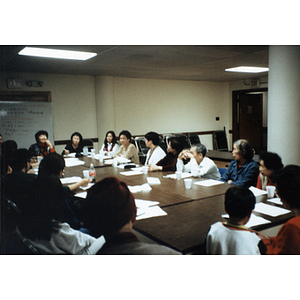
(92, 172)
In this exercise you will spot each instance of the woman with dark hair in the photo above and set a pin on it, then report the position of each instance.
(243, 170)
(43, 222)
(168, 163)
(269, 163)
(155, 153)
(287, 240)
(127, 149)
(43, 146)
(110, 145)
(75, 144)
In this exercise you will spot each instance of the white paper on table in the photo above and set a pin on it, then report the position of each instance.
(81, 195)
(145, 203)
(140, 188)
(123, 160)
(88, 186)
(257, 192)
(254, 220)
(152, 211)
(208, 182)
(130, 173)
(275, 200)
(70, 179)
(71, 162)
(108, 162)
(270, 210)
(153, 180)
(70, 154)
(183, 175)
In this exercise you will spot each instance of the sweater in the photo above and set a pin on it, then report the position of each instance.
(287, 240)
(246, 175)
(130, 153)
(168, 162)
(263, 182)
(40, 149)
(206, 169)
(71, 149)
(231, 239)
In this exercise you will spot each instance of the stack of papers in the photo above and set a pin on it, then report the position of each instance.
(183, 175)
(70, 179)
(275, 200)
(270, 210)
(259, 194)
(71, 162)
(87, 187)
(208, 182)
(81, 195)
(140, 188)
(153, 180)
(148, 209)
(130, 173)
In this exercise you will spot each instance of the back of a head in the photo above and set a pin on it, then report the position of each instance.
(272, 161)
(53, 163)
(108, 207)
(245, 148)
(152, 136)
(239, 202)
(40, 132)
(288, 185)
(19, 159)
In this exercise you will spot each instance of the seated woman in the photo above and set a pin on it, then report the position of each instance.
(287, 240)
(155, 154)
(269, 162)
(127, 149)
(168, 163)
(43, 146)
(243, 170)
(110, 145)
(43, 222)
(75, 145)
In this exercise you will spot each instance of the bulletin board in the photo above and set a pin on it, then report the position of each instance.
(19, 121)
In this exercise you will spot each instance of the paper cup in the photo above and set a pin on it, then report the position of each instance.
(85, 150)
(271, 191)
(188, 183)
(145, 169)
(178, 175)
(86, 174)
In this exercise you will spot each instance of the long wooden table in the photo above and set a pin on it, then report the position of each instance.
(189, 212)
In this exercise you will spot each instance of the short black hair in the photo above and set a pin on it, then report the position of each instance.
(239, 202)
(287, 182)
(244, 148)
(126, 133)
(272, 161)
(176, 144)
(77, 134)
(53, 163)
(152, 136)
(19, 159)
(40, 132)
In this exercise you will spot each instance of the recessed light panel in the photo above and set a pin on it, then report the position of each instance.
(244, 69)
(55, 53)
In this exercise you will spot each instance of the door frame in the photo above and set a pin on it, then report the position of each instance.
(236, 95)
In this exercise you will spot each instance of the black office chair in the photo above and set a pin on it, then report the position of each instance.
(141, 146)
(88, 143)
(166, 137)
(220, 140)
(162, 144)
(186, 142)
(194, 138)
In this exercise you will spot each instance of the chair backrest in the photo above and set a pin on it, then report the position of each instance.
(141, 146)
(194, 138)
(10, 215)
(88, 143)
(220, 140)
(162, 144)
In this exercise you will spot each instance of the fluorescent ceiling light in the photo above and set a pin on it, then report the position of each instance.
(55, 53)
(243, 69)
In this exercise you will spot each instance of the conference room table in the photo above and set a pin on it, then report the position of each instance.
(190, 212)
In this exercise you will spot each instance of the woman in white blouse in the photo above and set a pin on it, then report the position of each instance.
(155, 153)
(110, 146)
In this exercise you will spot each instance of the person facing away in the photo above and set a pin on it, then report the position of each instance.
(155, 153)
(243, 170)
(233, 237)
(196, 162)
(110, 145)
(127, 149)
(110, 210)
(43, 146)
(75, 145)
(287, 241)
(269, 163)
(168, 163)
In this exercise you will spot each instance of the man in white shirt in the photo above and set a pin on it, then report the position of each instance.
(199, 165)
